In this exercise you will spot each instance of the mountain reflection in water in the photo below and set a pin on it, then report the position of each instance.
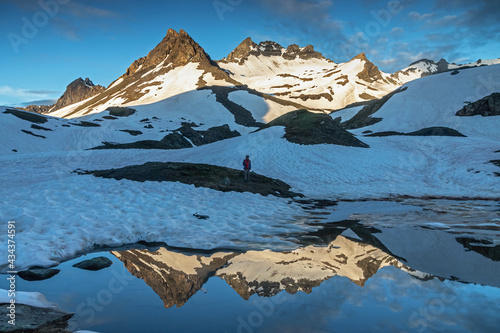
(345, 249)
(175, 277)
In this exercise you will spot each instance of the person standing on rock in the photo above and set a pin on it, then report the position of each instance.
(247, 166)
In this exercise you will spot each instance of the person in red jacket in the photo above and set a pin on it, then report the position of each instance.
(247, 166)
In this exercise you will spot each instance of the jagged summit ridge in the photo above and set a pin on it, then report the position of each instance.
(242, 51)
(268, 48)
(294, 77)
(176, 49)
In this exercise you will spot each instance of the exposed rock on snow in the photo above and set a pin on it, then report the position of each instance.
(308, 128)
(211, 135)
(487, 106)
(172, 141)
(176, 141)
(27, 116)
(117, 111)
(241, 115)
(183, 137)
(430, 131)
(363, 118)
(199, 175)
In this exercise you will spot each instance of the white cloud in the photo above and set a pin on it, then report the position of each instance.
(397, 31)
(14, 97)
(419, 17)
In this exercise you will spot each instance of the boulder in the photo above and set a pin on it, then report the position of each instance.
(35, 319)
(487, 106)
(308, 128)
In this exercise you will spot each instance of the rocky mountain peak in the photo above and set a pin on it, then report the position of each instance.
(77, 91)
(293, 51)
(361, 56)
(370, 72)
(176, 49)
(241, 52)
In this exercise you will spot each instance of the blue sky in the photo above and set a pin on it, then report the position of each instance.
(46, 44)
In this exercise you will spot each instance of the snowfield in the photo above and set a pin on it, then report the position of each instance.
(60, 214)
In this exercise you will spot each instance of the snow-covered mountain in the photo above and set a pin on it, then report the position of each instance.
(175, 66)
(425, 67)
(305, 76)
(267, 74)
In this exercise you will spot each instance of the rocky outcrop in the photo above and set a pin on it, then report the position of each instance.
(176, 141)
(199, 175)
(241, 115)
(486, 107)
(428, 131)
(28, 116)
(308, 128)
(35, 319)
(211, 135)
(78, 91)
(117, 111)
(364, 116)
